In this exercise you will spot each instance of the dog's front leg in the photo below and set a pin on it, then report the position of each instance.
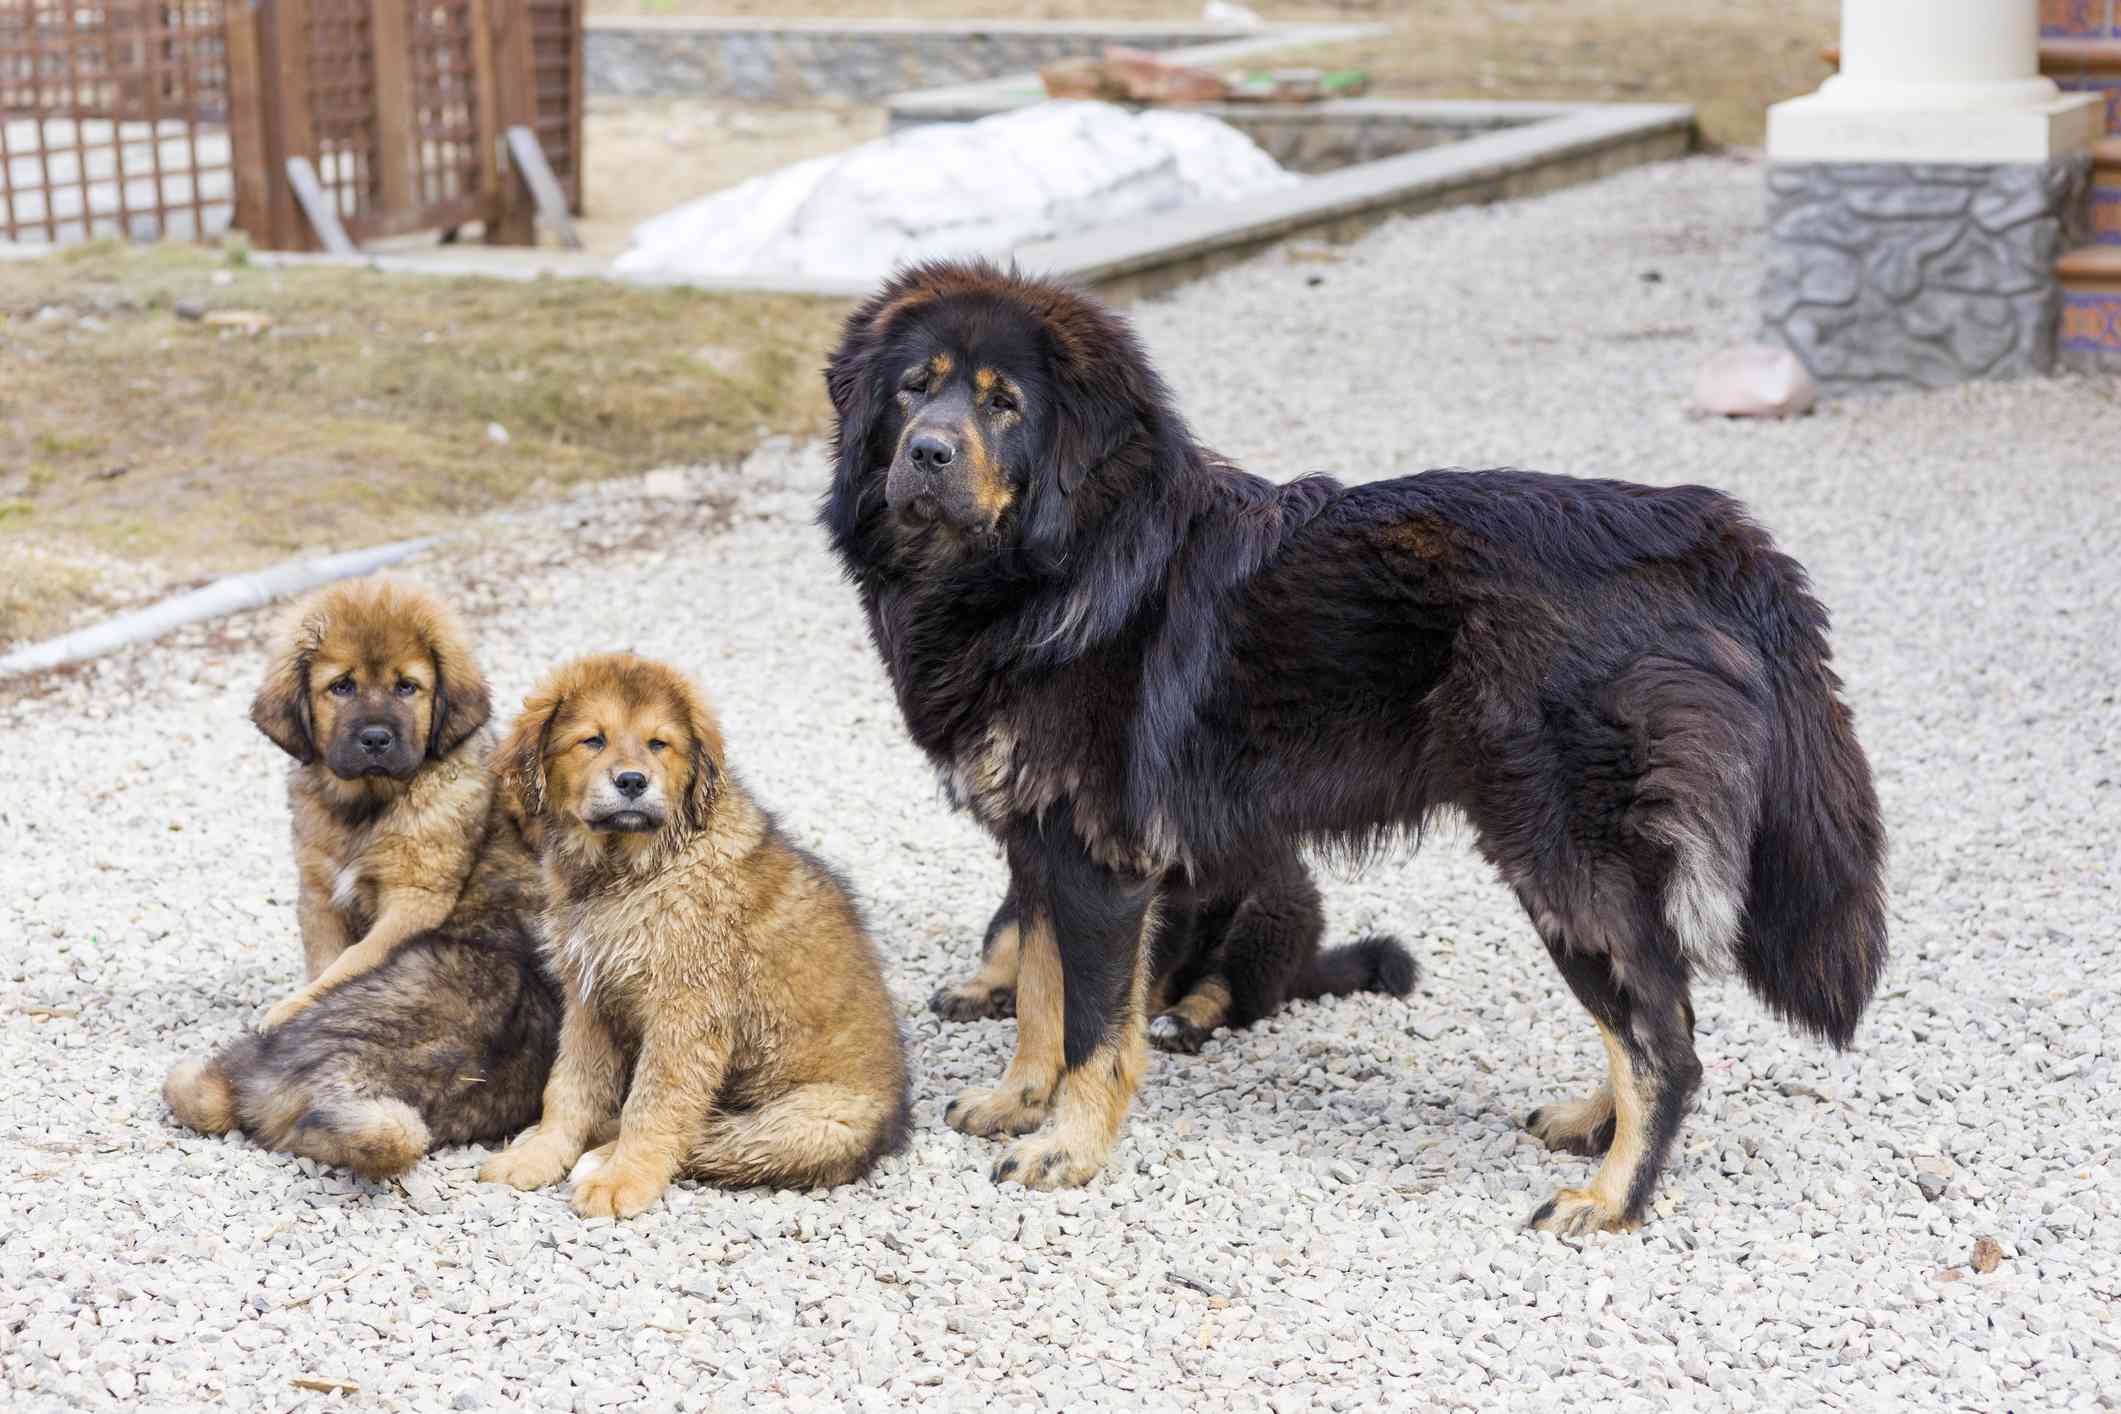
(1098, 925)
(676, 1080)
(581, 1096)
(401, 916)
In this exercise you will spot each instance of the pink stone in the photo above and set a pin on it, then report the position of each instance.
(1754, 380)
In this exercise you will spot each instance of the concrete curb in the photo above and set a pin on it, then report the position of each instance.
(230, 595)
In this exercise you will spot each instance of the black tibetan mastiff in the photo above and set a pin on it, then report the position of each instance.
(1135, 663)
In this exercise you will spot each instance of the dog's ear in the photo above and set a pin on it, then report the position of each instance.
(462, 702)
(705, 785)
(860, 402)
(706, 759)
(1090, 427)
(281, 708)
(519, 763)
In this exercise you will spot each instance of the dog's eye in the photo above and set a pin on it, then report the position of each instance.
(1001, 402)
(657, 744)
(915, 381)
(594, 743)
(341, 687)
(407, 689)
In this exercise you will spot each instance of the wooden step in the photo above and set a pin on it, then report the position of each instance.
(2091, 266)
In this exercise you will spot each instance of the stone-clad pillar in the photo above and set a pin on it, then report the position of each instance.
(1918, 200)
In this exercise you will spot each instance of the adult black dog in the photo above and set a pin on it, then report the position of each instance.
(1134, 663)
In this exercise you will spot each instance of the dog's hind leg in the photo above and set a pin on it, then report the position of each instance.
(991, 991)
(1652, 1072)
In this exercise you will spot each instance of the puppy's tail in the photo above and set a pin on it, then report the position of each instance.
(376, 1137)
(1374, 964)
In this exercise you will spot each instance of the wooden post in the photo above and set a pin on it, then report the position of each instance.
(247, 126)
(284, 70)
(486, 114)
(397, 164)
(577, 100)
(515, 85)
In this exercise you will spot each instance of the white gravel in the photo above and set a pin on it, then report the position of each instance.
(1320, 1212)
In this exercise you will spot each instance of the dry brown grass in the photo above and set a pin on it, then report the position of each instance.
(1729, 58)
(360, 416)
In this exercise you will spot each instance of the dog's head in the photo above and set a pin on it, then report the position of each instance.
(981, 413)
(371, 677)
(613, 749)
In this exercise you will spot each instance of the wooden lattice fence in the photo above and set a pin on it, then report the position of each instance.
(151, 118)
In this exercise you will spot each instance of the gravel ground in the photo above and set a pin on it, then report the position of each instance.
(1320, 1212)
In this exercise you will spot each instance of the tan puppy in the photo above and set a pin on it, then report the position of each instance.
(373, 693)
(725, 1013)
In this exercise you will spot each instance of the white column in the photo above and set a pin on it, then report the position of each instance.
(1935, 81)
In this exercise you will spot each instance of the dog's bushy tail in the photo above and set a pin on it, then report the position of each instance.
(1373, 964)
(1814, 943)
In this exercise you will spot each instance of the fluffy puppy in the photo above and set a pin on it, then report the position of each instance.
(430, 1019)
(373, 692)
(726, 1017)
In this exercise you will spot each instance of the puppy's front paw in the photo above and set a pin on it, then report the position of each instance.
(616, 1190)
(526, 1164)
(1045, 1161)
(1006, 1109)
(1579, 1212)
(1168, 1031)
(970, 1001)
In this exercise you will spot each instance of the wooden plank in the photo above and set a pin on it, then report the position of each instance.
(246, 125)
(531, 165)
(577, 101)
(397, 168)
(316, 205)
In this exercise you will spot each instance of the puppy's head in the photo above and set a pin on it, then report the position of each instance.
(371, 677)
(974, 404)
(614, 750)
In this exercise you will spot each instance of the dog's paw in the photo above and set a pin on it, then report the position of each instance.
(989, 1114)
(1574, 1127)
(1045, 1161)
(590, 1162)
(526, 1164)
(1168, 1031)
(288, 1010)
(1579, 1212)
(971, 1002)
(616, 1191)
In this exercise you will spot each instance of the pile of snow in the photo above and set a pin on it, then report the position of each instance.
(956, 189)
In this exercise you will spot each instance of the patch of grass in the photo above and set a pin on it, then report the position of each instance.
(362, 413)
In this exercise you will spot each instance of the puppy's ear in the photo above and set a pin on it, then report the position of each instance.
(707, 754)
(519, 763)
(462, 702)
(281, 708)
(706, 784)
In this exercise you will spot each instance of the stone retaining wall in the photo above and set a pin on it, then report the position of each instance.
(796, 62)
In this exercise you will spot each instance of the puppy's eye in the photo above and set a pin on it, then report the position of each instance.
(657, 744)
(341, 687)
(594, 743)
(407, 689)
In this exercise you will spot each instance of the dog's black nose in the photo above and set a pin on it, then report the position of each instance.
(632, 784)
(376, 740)
(930, 452)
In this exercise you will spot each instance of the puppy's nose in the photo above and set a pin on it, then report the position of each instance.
(930, 452)
(376, 740)
(632, 784)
